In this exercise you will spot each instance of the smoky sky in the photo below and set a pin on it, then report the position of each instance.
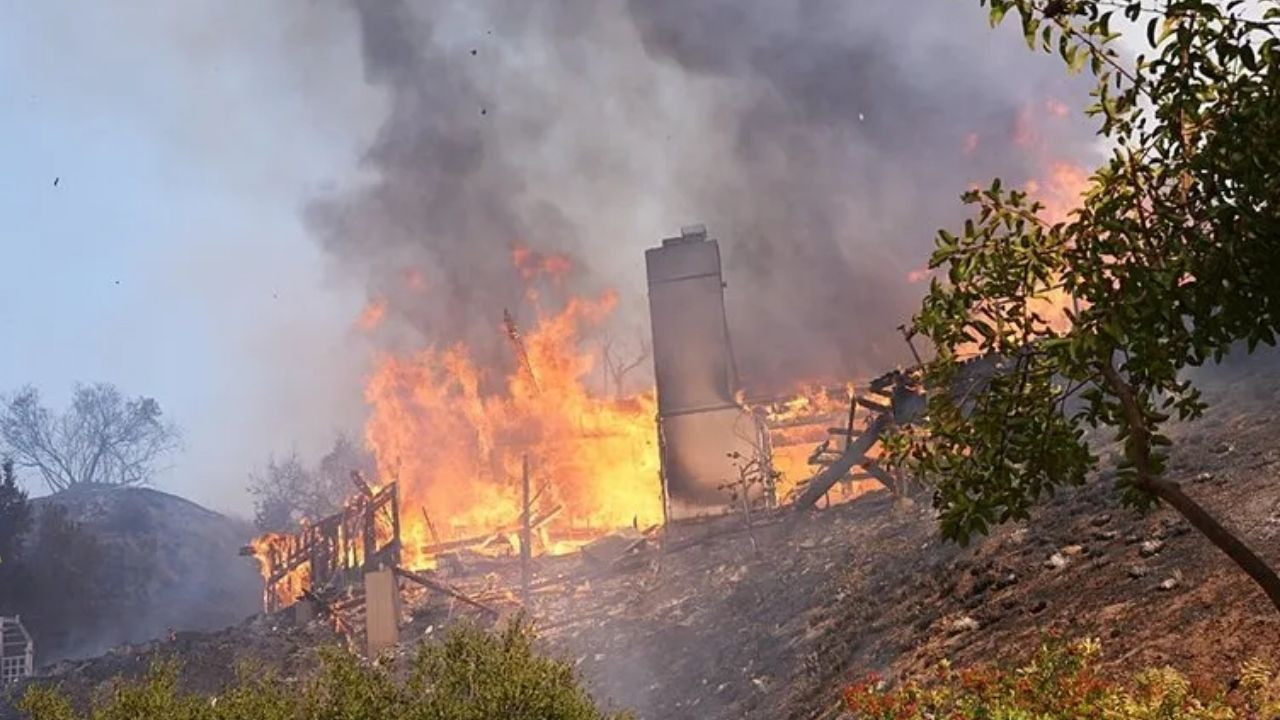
(823, 143)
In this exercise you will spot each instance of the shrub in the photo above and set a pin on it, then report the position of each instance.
(1064, 681)
(472, 675)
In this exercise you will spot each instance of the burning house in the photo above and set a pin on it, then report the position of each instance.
(718, 442)
(497, 475)
(333, 552)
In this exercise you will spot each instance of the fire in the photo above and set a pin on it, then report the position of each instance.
(1060, 191)
(372, 314)
(531, 263)
(801, 421)
(271, 550)
(457, 447)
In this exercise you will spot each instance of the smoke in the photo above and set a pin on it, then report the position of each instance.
(822, 142)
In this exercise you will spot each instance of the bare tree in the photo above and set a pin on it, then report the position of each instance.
(333, 474)
(102, 439)
(616, 366)
(286, 491)
(281, 492)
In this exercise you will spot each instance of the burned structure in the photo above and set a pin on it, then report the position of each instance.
(720, 451)
(333, 552)
(17, 651)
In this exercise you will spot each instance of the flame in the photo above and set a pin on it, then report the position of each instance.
(799, 422)
(271, 550)
(1060, 192)
(1059, 188)
(372, 315)
(457, 448)
(533, 264)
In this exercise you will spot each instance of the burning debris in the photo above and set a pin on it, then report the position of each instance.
(333, 552)
(503, 481)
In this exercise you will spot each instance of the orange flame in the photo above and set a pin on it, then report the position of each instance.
(457, 448)
(533, 264)
(270, 550)
(372, 315)
(802, 420)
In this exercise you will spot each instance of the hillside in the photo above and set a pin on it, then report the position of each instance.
(717, 631)
(138, 564)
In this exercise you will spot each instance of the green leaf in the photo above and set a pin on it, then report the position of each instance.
(998, 11)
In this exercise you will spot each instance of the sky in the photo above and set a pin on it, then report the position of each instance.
(170, 258)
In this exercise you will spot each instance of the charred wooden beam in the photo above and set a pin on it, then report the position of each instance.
(833, 473)
(445, 588)
(361, 484)
(870, 404)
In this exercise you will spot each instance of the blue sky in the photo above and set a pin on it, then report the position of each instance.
(170, 259)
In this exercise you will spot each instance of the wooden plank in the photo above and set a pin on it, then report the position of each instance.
(870, 404)
(824, 480)
(445, 588)
(358, 480)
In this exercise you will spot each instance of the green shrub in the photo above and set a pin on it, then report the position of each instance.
(1064, 681)
(472, 675)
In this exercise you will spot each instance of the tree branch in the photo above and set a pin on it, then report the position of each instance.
(1172, 493)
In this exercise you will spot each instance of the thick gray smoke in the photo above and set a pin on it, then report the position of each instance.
(823, 143)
